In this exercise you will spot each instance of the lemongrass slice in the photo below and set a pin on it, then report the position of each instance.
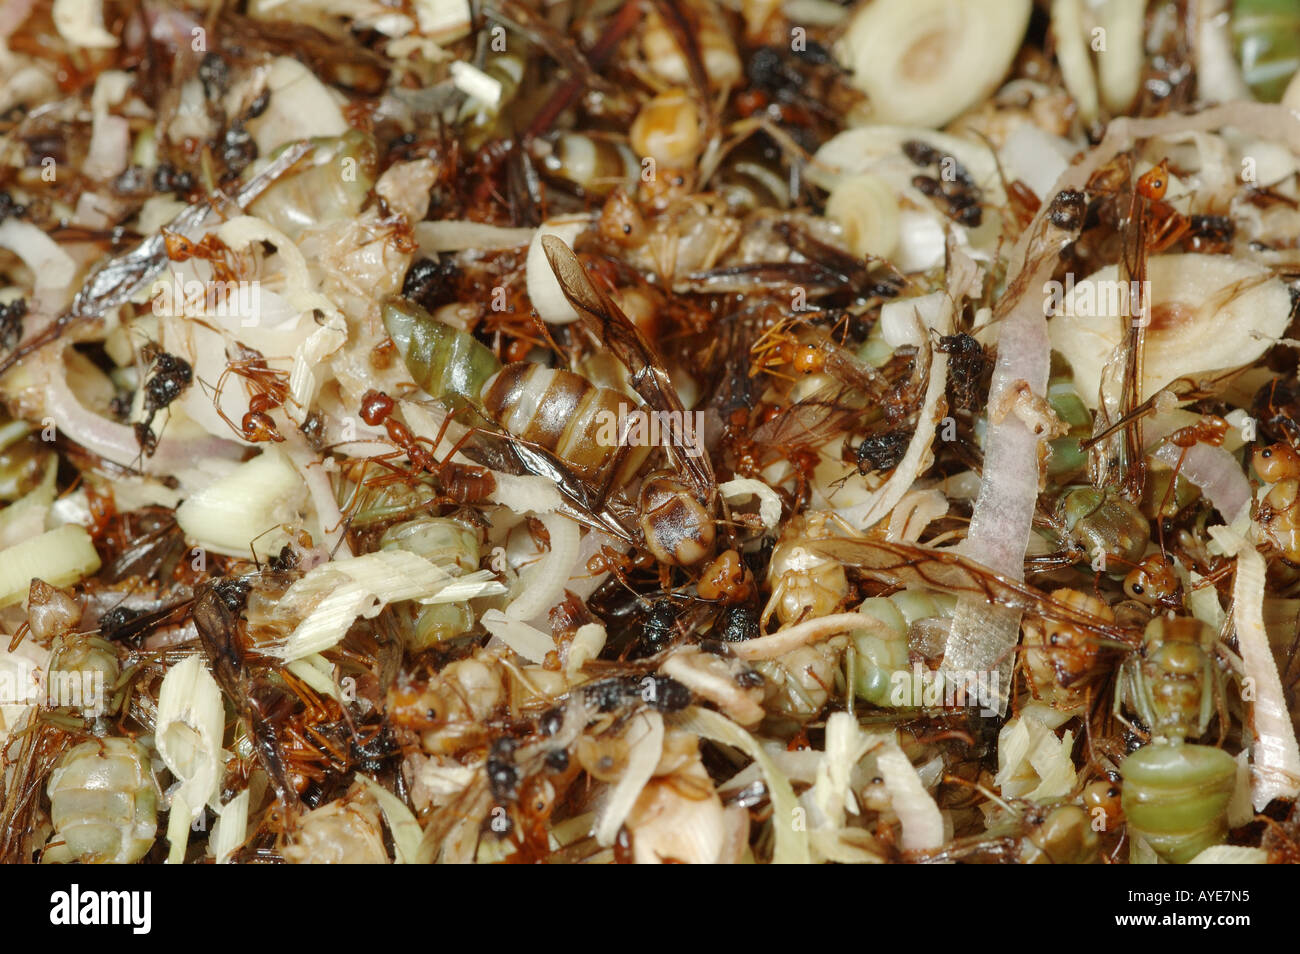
(741, 489)
(645, 739)
(1072, 55)
(1209, 312)
(919, 815)
(300, 107)
(926, 61)
(409, 844)
(1231, 855)
(879, 150)
(866, 209)
(246, 510)
(59, 557)
(1119, 66)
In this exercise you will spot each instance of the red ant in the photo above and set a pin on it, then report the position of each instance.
(270, 391)
(463, 483)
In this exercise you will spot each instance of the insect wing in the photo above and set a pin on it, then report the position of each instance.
(647, 376)
(914, 566)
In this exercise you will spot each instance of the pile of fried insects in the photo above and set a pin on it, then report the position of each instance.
(662, 431)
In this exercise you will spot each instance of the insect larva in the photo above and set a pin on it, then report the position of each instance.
(103, 803)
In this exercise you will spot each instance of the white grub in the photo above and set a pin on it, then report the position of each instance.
(344, 832)
(1032, 409)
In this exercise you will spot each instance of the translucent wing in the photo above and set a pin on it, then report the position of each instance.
(902, 564)
(647, 375)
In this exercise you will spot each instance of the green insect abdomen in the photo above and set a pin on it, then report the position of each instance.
(450, 364)
(1176, 798)
(1267, 35)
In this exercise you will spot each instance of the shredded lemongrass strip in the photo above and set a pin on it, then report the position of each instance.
(230, 829)
(189, 726)
(1275, 755)
(317, 673)
(645, 737)
(792, 846)
(307, 357)
(743, 488)
(60, 556)
(983, 637)
(468, 587)
(832, 791)
(543, 582)
(190, 721)
(458, 235)
(327, 508)
(526, 640)
(409, 842)
(352, 588)
(179, 820)
(920, 817)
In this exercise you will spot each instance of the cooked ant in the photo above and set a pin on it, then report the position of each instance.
(955, 190)
(966, 364)
(169, 379)
(1210, 234)
(460, 483)
(270, 390)
(1163, 224)
(1209, 429)
(882, 451)
(226, 263)
(726, 579)
(1022, 202)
